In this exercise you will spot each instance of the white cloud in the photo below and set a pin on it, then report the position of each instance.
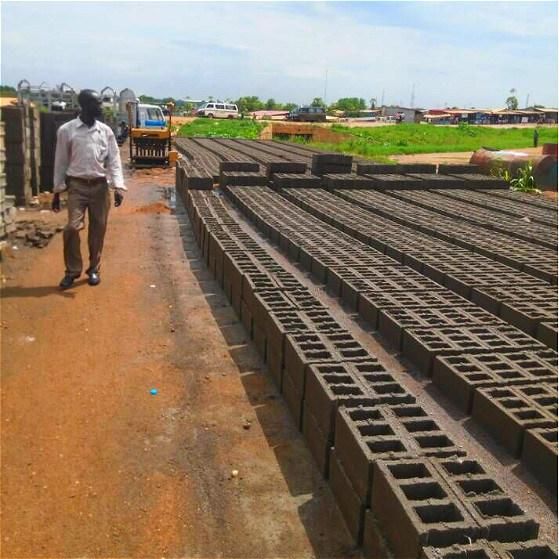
(463, 53)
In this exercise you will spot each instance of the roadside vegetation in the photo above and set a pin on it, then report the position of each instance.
(216, 128)
(523, 181)
(402, 139)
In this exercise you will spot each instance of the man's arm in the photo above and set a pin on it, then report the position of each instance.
(114, 166)
(61, 160)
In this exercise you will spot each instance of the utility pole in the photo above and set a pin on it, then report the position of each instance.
(527, 100)
(412, 100)
(382, 99)
(326, 86)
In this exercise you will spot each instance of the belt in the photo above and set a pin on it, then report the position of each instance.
(88, 181)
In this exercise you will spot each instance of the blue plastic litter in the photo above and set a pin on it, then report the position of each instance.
(153, 391)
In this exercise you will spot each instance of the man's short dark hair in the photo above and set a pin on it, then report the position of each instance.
(85, 94)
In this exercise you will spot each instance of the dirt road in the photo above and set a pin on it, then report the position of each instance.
(450, 157)
(93, 464)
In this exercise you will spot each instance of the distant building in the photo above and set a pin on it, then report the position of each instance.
(467, 116)
(408, 114)
(549, 114)
(517, 116)
(362, 114)
(370, 113)
(437, 116)
(474, 116)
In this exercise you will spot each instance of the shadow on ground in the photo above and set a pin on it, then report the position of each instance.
(19, 292)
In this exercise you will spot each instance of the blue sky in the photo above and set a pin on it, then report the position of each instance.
(457, 53)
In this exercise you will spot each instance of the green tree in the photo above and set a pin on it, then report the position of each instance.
(271, 104)
(7, 91)
(249, 103)
(512, 100)
(289, 106)
(350, 104)
(318, 102)
(148, 99)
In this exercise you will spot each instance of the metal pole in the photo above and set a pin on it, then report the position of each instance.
(171, 107)
(129, 109)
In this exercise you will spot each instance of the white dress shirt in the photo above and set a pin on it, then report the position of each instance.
(87, 153)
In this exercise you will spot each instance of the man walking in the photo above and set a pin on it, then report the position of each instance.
(86, 156)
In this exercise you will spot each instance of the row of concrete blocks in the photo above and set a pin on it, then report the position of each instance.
(8, 214)
(520, 303)
(331, 171)
(523, 307)
(513, 208)
(429, 324)
(293, 175)
(444, 207)
(526, 302)
(319, 162)
(309, 376)
(491, 550)
(357, 212)
(22, 151)
(430, 168)
(408, 180)
(413, 281)
(388, 463)
(525, 198)
(406, 323)
(421, 223)
(467, 204)
(390, 311)
(508, 240)
(198, 156)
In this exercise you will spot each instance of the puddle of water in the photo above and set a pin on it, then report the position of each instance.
(169, 193)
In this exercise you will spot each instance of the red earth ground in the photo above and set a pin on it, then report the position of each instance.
(92, 463)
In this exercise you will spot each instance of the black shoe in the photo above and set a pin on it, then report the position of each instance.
(67, 281)
(94, 278)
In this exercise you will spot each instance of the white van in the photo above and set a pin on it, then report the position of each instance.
(218, 110)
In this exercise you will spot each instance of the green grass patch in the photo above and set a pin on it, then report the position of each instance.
(217, 128)
(402, 139)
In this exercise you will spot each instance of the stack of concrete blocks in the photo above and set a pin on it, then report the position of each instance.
(34, 147)
(49, 125)
(330, 163)
(22, 151)
(7, 208)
